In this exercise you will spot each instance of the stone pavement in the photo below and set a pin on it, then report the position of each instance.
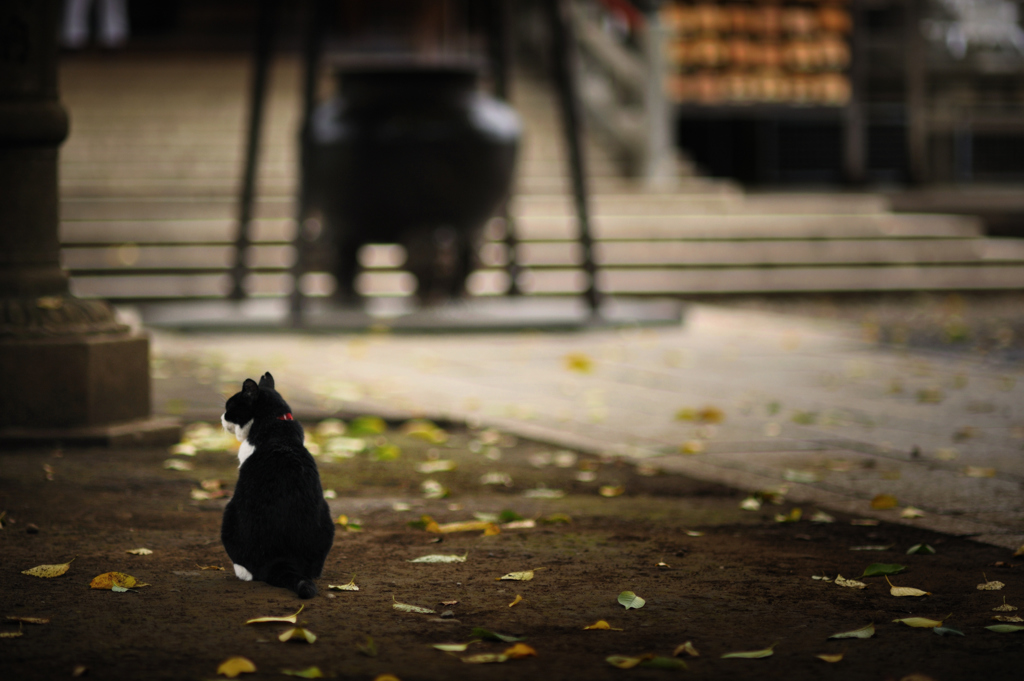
(789, 402)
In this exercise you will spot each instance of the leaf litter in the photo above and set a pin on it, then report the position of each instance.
(287, 619)
(49, 571)
(602, 625)
(901, 591)
(753, 654)
(628, 599)
(233, 666)
(351, 586)
(115, 580)
(438, 558)
(867, 631)
(406, 607)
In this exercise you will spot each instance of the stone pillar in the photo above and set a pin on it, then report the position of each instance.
(69, 371)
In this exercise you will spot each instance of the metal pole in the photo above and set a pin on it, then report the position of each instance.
(565, 81)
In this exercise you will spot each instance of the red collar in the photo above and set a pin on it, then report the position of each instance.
(286, 417)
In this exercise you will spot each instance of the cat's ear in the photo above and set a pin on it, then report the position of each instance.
(267, 381)
(250, 389)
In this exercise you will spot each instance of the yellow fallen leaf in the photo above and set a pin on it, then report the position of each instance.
(351, 586)
(210, 567)
(108, 580)
(307, 673)
(233, 666)
(518, 599)
(524, 576)
(626, 662)
(882, 502)
(1019, 551)
(519, 650)
(298, 635)
(49, 571)
(467, 526)
(484, 658)
(601, 624)
(386, 677)
(793, 516)
(1005, 607)
(12, 634)
(579, 362)
(685, 648)
(830, 657)
(900, 591)
(922, 622)
(691, 447)
(851, 583)
(979, 472)
(990, 586)
(288, 619)
(139, 552)
(753, 654)
(43, 620)
(611, 490)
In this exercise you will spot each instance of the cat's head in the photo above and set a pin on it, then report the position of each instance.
(254, 401)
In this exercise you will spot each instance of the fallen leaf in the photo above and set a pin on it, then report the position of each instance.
(826, 657)
(488, 635)
(947, 631)
(453, 647)
(518, 599)
(751, 504)
(108, 580)
(288, 619)
(685, 648)
(27, 620)
(298, 635)
(467, 526)
(79, 670)
(233, 666)
(990, 586)
(579, 362)
(449, 602)
(518, 525)
(979, 472)
(883, 502)
(210, 567)
(911, 513)
(1005, 607)
(386, 677)
(520, 650)
(867, 631)
(307, 673)
(366, 425)
(611, 490)
(544, 493)
(438, 558)
(876, 569)
(626, 662)
(694, 533)
(872, 547)
(822, 517)
(351, 586)
(691, 447)
(628, 600)
(793, 516)
(1008, 618)
(662, 564)
(524, 576)
(49, 571)
(436, 466)
(601, 624)
(921, 549)
(851, 583)
(484, 658)
(405, 607)
(1005, 628)
(900, 591)
(753, 654)
(922, 622)
(13, 634)
(139, 552)
(1019, 551)
(369, 648)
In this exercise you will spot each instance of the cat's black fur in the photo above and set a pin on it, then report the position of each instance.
(277, 527)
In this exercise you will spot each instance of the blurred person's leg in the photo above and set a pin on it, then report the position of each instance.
(113, 22)
(74, 32)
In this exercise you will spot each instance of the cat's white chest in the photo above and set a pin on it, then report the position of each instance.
(241, 433)
(245, 450)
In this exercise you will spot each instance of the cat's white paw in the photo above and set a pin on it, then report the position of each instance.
(242, 573)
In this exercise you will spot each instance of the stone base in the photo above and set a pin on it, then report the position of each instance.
(73, 382)
(148, 432)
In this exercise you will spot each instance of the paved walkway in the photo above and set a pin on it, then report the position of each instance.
(787, 402)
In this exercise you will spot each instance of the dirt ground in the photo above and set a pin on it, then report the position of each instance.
(744, 584)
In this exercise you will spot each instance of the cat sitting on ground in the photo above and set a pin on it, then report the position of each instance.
(277, 527)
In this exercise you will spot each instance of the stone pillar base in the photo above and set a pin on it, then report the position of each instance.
(77, 384)
(156, 431)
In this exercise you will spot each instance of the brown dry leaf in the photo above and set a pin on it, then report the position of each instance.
(298, 635)
(601, 624)
(519, 650)
(1019, 551)
(1005, 607)
(524, 576)
(287, 619)
(518, 599)
(12, 634)
(1008, 618)
(685, 648)
(108, 580)
(209, 567)
(49, 571)
(233, 666)
(852, 583)
(27, 620)
(900, 591)
(882, 502)
(830, 657)
(140, 552)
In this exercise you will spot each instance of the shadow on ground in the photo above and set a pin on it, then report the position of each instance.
(724, 578)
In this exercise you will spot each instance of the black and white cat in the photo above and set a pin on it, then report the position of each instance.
(277, 527)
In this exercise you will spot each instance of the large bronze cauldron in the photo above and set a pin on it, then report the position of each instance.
(412, 154)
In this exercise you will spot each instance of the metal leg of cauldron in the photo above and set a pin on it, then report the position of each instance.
(264, 46)
(311, 55)
(499, 24)
(565, 80)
